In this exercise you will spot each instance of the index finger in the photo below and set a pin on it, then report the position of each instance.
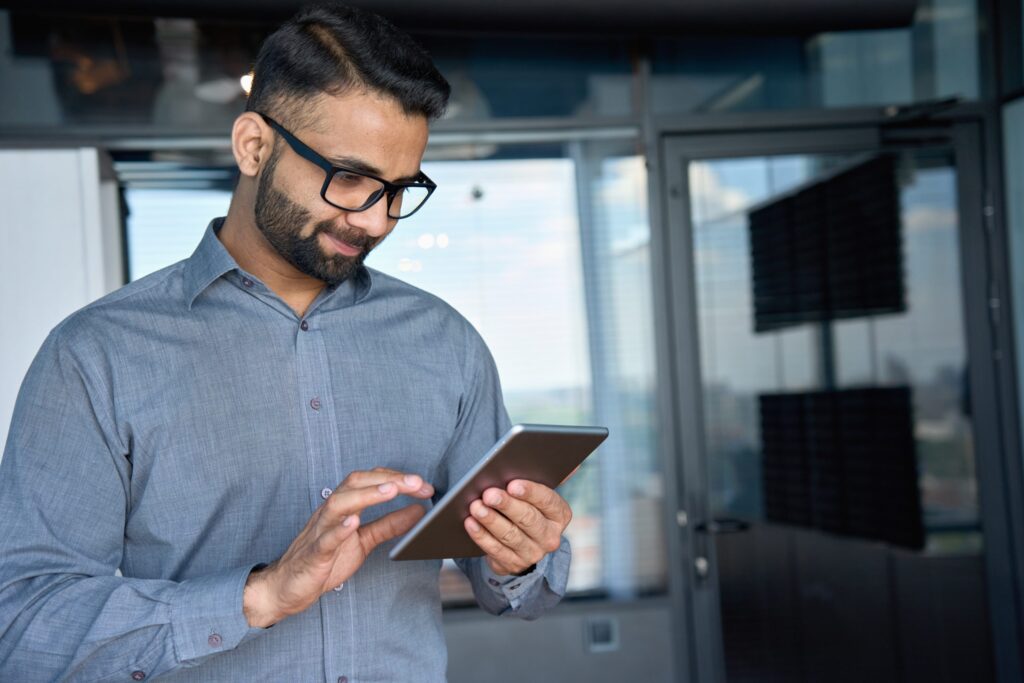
(408, 483)
(542, 497)
(352, 501)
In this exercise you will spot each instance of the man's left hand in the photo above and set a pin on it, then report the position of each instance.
(518, 526)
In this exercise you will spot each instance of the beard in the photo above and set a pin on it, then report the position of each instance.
(281, 220)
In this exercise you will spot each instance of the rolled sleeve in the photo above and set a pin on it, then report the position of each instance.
(523, 597)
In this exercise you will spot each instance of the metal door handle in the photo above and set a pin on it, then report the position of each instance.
(723, 525)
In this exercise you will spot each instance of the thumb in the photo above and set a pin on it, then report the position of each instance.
(389, 526)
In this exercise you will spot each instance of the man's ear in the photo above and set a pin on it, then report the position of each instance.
(251, 143)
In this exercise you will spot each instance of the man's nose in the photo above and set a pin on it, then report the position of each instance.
(373, 221)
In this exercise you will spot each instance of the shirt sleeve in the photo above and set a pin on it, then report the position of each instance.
(65, 480)
(525, 597)
(482, 421)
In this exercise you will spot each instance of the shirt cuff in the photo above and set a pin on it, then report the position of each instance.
(512, 587)
(207, 616)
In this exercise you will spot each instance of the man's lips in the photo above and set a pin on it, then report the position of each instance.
(343, 248)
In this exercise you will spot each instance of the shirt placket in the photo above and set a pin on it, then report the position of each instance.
(322, 461)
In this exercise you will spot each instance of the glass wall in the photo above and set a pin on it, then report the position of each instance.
(545, 249)
(142, 76)
(753, 346)
(125, 74)
(1013, 158)
(524, 77)
(838, 422)
(935, 58)
(1010, 28)
(184, 75)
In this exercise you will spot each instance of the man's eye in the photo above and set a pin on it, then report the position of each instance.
(348, 178)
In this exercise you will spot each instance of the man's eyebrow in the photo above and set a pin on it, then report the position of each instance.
(363, 167)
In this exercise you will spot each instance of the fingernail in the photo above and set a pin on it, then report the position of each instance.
(412, 480)
(473, 526)
(426, 490)
(517, 489)
(384, 488)
(348, 521)
(480, 512)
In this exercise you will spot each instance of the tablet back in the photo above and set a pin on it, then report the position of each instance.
(546, 454)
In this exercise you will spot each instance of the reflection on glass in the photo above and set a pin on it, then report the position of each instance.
(184, 74)
(922, 347)
(1013, 154)
(533, 76)
(935, 58)
(837, 420)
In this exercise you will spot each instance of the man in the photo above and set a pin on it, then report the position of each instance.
(191, 428)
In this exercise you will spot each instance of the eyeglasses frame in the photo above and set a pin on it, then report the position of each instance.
(390, 189)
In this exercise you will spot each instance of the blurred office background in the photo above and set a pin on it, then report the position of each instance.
(777, 248)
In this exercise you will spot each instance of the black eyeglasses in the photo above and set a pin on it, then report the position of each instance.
(352, 190)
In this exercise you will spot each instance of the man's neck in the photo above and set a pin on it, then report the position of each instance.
(253, 253)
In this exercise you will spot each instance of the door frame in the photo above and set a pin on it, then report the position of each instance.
(984, 281)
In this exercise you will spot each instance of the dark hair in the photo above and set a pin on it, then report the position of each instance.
(330, 48)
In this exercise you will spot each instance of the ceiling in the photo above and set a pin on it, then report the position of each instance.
(573, 16)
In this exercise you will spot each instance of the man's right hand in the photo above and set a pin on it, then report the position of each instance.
(332, 546)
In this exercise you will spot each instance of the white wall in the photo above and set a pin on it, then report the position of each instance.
(60, 248)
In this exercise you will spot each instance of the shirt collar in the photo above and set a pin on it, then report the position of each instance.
(208, 262)
(211, 260)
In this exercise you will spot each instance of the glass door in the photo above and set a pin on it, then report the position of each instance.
(833, 522)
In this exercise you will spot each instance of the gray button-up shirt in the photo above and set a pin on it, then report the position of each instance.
(184, 428)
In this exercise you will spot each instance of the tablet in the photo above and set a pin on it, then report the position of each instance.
(546, 454)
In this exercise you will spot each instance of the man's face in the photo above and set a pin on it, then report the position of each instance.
(361, 130)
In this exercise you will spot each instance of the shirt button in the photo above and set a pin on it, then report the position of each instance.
(314, 403)
(342, 679)
(493, 582)
(247, 282)
(214, 640)
(325, 493)
(337, 589)
(304, 325)
(138, 675)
